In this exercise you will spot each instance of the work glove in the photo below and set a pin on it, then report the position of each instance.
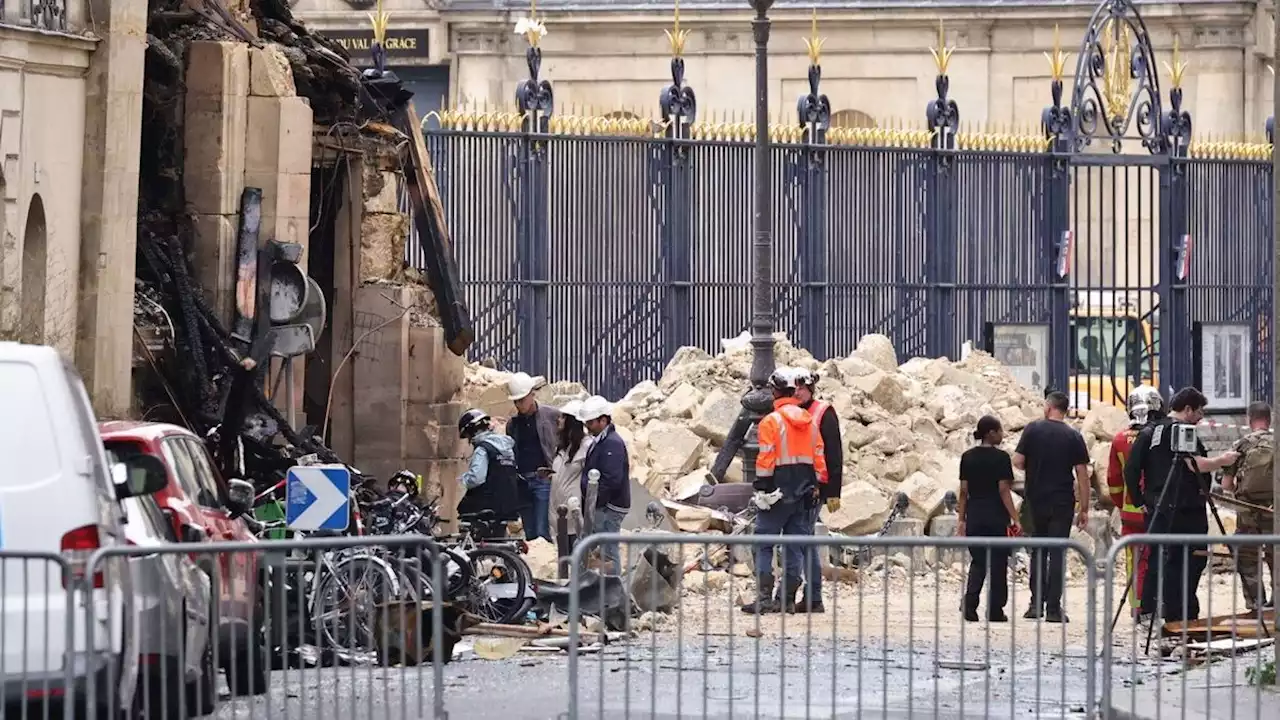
(765, 500)
(833, 504)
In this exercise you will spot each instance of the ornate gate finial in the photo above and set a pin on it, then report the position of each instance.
(534, 96)
(1055, 119)
(943, 114)
(379, 19)
(678, 103)
(1115, 94)
(1176, 125)
(814, 108)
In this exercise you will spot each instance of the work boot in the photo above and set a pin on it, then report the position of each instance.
(810, 606)
(1056, 616)
(787, 595)
(1033, 613)
(971, 615)
(764, 603)
(997, 616)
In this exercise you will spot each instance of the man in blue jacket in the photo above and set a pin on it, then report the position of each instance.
(607, 460)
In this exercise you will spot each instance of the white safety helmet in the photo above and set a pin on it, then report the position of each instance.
(1143, 403)
(573, 409)
(784, 378)
(805, 377)
(520, 385)
(594, 407)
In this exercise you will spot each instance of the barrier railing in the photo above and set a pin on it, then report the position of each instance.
(36, 627)
(348, 626)
(297, 628)
(1217, 663)
(878, 647)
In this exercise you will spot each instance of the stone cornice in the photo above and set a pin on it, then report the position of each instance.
(45, 53)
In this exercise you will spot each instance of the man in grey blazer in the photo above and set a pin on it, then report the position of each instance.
(533, 427)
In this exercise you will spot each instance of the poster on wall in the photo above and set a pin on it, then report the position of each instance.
(1023, 350)
(1225, 358)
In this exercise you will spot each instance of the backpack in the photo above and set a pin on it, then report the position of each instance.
(1254, 476)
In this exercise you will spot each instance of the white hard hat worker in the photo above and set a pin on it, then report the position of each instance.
(521, 385)
(594, 407)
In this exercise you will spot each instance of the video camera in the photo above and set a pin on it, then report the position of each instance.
(1183, 439)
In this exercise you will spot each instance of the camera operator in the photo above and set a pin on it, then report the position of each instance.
(1173, 503)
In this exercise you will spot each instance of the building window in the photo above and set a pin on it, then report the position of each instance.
(852, 119)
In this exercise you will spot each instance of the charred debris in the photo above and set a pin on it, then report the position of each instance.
(190, 369)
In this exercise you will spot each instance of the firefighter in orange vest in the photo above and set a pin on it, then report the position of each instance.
(1144, 405)
(792, 459)
(824, 416)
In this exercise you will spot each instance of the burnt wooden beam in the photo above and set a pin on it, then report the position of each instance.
(433, 234)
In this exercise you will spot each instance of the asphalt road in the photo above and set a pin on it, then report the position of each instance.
(725, 678)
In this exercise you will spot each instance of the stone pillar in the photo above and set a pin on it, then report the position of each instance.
(1218, 66)
(214, 163)
(109, 216)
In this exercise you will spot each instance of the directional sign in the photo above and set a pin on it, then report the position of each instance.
(317, 497)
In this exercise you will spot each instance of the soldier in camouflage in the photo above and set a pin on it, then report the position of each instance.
(1250, 478)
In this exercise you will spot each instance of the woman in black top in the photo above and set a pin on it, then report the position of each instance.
(986, 510)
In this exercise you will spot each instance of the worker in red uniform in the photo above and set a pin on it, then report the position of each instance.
(1144, 405)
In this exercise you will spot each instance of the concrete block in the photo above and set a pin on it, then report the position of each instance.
(269, 73)
(214, 257)
(283, 194)
(382, 241)
(435, 373)
(279, 136)
(431, 430)
(217, 68)
(213, 163)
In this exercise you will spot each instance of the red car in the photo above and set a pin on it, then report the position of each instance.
(196, 500)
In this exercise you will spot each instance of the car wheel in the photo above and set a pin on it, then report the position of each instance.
(158, 697)
(202, 693)
(250, 674)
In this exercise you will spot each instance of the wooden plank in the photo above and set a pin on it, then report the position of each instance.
(433, 234)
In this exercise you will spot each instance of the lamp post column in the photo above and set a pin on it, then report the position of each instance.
(758, 401)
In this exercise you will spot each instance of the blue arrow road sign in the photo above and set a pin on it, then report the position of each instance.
(317, 497)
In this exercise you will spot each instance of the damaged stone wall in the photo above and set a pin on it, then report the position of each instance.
(396, 411)
(246, 96)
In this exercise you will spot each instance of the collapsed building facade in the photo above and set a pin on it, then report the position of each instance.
(227, 147)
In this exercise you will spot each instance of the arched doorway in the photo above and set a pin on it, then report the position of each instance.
(35, 274)
(852, 119)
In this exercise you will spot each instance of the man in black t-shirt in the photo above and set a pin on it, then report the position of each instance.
(1173, 499)
(1056, 462)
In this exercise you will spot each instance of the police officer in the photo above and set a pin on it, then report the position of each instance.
(791, 459)
(490, 481)
(1144, 405)
(824, 416)
(1249, 477)
(1173, 499)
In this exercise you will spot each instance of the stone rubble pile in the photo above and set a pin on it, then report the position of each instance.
(904, 426)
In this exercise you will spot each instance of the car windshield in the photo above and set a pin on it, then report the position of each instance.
(1107, 346)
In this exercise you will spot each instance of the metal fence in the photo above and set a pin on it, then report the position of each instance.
(600, 259)
(1091, 254)
(667, 640)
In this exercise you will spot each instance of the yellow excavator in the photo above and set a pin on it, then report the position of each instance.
(1114, 342)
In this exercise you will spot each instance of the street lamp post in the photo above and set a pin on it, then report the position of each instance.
(758, 401)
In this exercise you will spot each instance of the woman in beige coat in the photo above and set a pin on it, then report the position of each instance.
(566, 469)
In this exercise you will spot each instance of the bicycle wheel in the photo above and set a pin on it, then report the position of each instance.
(347, 598)
(498, 584)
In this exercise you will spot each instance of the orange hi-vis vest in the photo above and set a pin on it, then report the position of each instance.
(792, 456)
(1131, 520)
(817, 409)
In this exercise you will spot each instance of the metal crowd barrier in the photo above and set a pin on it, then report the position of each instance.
(890, 642)
(337, 627)
(36, 617)
(1217, 667)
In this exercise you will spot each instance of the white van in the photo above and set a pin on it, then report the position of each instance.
(59, 502)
